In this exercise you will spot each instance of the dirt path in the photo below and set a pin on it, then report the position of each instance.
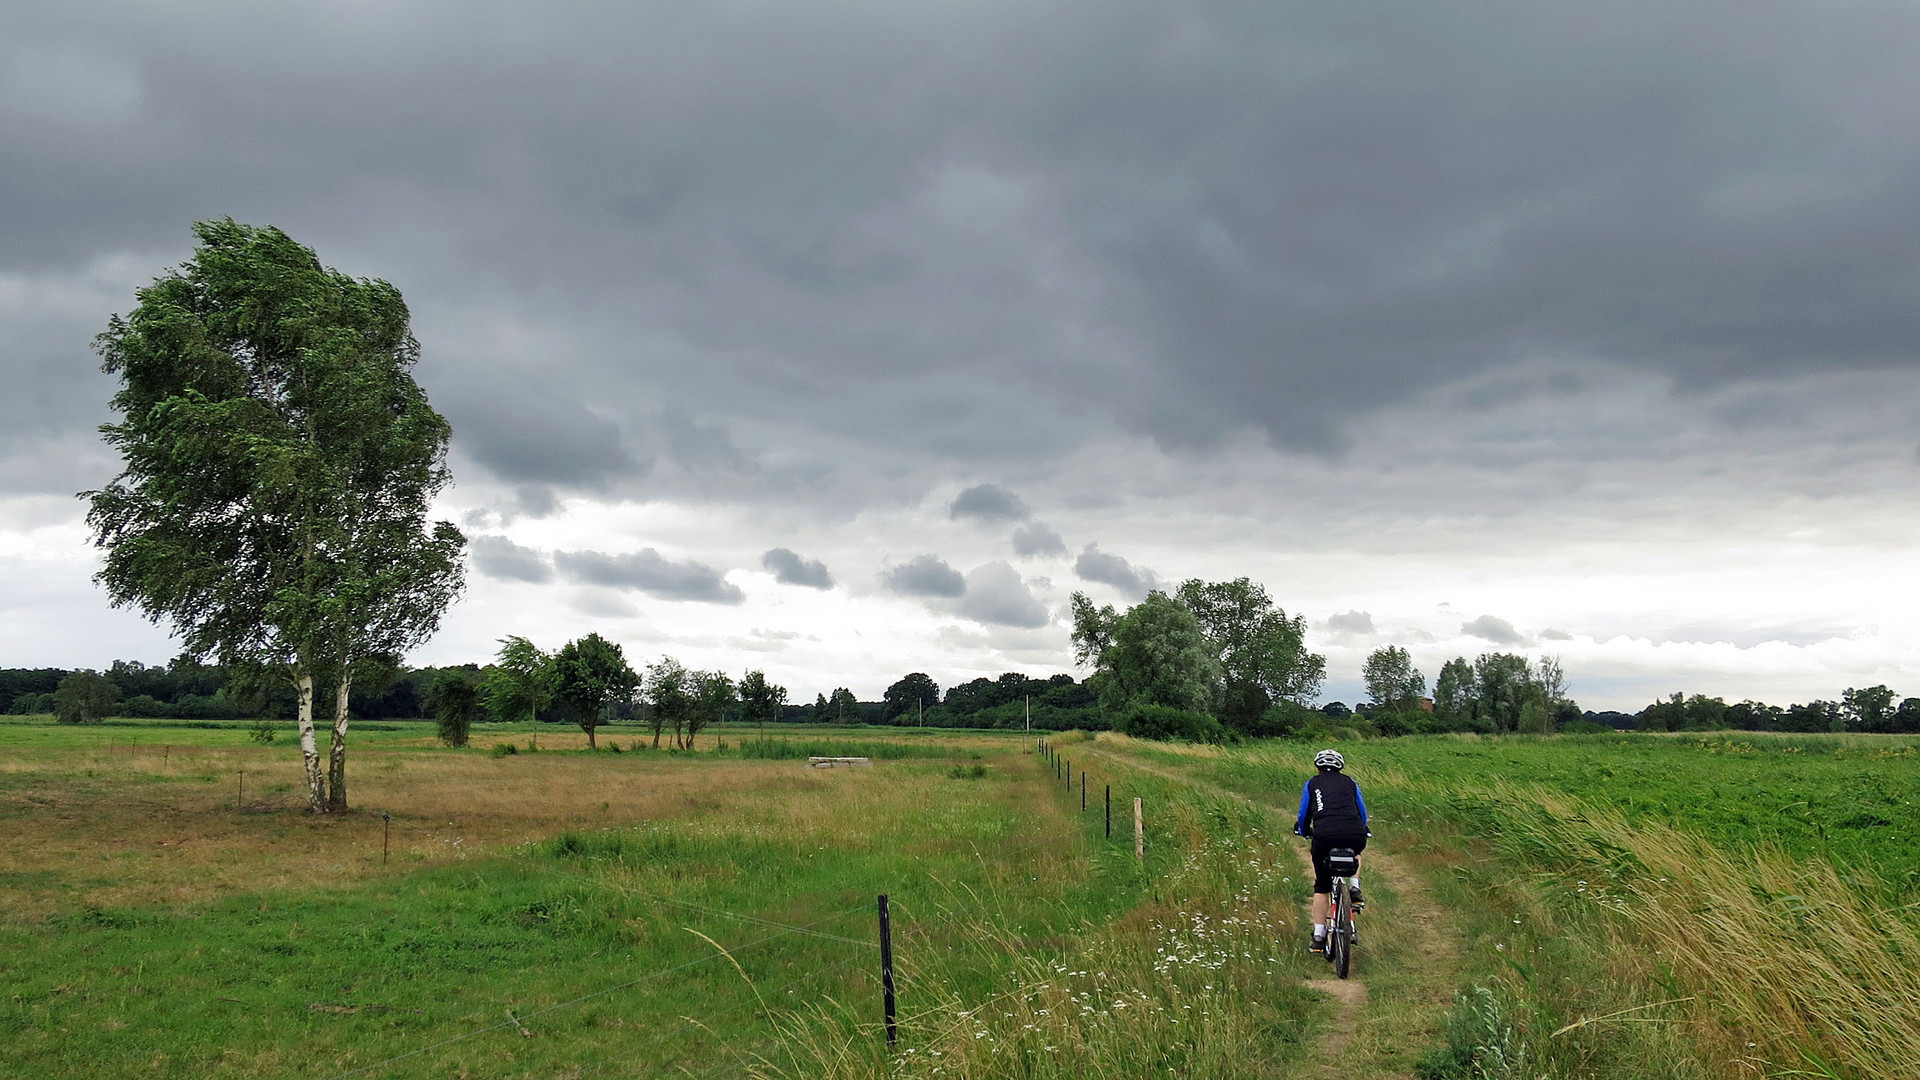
(1405, 969)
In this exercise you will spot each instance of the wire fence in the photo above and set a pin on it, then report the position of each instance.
(922, 906)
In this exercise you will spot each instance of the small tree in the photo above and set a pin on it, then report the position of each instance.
(1392, 680)
(454, 701)
(760, 700)
(910, 695)
(83, 697)
(713, 695)
(669, 696)
(520, 682)
(1454, 698)
(843, 706)
(592, 673)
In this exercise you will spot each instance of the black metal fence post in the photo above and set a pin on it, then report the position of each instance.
(1083, 790)
(886, 968)
(1109, 811)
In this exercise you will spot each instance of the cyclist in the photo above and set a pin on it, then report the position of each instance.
(1332, 814)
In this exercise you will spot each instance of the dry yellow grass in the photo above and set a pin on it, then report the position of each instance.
(144, 825)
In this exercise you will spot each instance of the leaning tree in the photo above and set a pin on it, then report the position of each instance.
(279, 465)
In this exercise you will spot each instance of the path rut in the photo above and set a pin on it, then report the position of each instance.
(1409, 955)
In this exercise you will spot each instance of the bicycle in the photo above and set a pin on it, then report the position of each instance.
(1344, 863)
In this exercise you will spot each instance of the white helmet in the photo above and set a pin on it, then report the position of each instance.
(1329, 759)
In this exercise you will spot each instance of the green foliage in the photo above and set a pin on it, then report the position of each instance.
(842, 708)
(669, 691)
(591, 673)
(1164, 722)
(503, 749)
(1158, 656)
(1488, 1037)
(771, 749)
(455, 702)
(262, 732)
(520, 682)
(279, 464)
(84, 697)
(760, 700)
(1262, 653)
(911, 695)
(713, 695)
(1392, 680)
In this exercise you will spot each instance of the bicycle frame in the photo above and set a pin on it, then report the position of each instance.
(1340, 931)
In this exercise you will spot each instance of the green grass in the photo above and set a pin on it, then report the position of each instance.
(1853, 801)
(596, 949)
(1683, 905)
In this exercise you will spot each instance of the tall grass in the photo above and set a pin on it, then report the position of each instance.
(1785, 964)
(1199, 980)
(766, 748)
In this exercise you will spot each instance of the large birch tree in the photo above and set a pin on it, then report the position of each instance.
(279, 463)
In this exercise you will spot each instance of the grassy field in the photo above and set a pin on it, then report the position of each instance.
(559, 913)
(1631, 905)
(1606, 907)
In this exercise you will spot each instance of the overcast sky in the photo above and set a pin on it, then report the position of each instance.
(848, 339)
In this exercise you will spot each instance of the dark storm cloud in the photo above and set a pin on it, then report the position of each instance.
(988, 502)
(976, 233)
(1494, 629)
(925, 575)
(790, 569)
(530, 435)
(499, 557)
(1096, 565)
(651, 573)
(1037, 538)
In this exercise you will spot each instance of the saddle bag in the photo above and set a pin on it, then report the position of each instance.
(1343, 862)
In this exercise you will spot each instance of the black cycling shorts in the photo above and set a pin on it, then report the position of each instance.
(1323, 843)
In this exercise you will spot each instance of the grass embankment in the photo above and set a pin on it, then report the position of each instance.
(1674, 906)
(564, 913)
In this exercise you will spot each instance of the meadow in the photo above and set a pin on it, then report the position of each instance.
(1712, 905)
(1613, 907)
(558, 913)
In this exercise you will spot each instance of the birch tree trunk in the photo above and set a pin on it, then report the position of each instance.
(337, 759)
(309, 747)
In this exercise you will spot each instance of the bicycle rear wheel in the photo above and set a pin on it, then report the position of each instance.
(1340, 934)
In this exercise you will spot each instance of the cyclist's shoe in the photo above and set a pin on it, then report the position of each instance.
(1359, 900)
(1318, 944)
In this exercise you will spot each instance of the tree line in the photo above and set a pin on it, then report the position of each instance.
(1872, 710)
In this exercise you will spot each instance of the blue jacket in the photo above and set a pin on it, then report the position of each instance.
(1331, 799)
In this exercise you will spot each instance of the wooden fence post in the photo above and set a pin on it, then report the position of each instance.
(1139, 831)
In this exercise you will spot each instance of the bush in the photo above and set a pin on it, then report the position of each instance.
(1165, 722)
(503, 749)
